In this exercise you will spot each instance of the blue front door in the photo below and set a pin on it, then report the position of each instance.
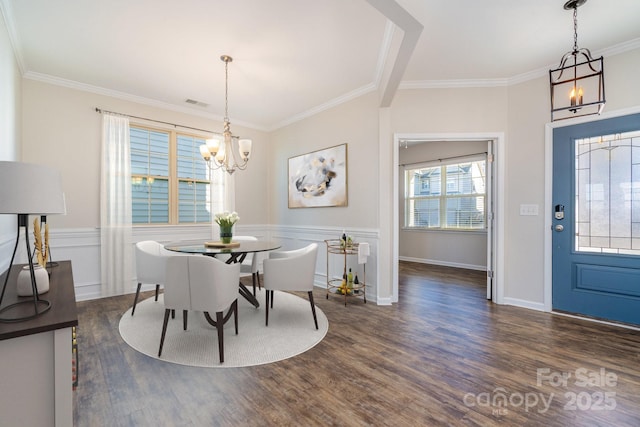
(596, 219)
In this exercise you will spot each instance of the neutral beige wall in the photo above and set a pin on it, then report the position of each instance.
(353, 123)
(460, 110)
(63, 130)
(621, 78)
(524, 184)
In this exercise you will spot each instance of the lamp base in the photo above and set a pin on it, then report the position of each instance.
(24, 310)
(24, 287)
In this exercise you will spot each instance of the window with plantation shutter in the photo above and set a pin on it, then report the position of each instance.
(193, 185)
(149, 176)
(446, 196)
(169, 180)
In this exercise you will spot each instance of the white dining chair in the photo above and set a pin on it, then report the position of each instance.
(202, 283)
(290, 271)
(151, 258)
(251, 263)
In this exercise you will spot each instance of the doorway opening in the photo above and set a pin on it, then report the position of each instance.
(494, 153)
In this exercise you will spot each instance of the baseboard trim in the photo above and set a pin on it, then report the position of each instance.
(443, 263)
(603, 322)
(538, 306)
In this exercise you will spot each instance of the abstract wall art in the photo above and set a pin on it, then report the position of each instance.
(319, 178)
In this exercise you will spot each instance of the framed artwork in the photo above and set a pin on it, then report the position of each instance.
(319, 178)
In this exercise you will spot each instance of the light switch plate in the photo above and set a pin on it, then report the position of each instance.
(529, 210)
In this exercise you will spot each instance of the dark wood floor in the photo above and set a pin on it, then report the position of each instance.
(442, 356)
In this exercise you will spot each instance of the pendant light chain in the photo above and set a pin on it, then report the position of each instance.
(226, 90)
(221, 154)
(575, 29)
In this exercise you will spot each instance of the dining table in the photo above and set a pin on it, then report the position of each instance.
(234, 252)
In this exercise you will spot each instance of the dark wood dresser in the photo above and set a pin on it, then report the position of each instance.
(36, 357)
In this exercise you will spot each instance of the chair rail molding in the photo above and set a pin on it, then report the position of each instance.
(295, 237)
(82, 247)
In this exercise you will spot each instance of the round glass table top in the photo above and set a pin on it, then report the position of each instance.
(240, 247)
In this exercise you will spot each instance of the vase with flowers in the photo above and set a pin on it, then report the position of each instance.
(226, 221)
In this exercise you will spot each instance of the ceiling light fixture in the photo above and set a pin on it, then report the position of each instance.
(579, 76)
(223, 156)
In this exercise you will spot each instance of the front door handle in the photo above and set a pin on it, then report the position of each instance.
(559, 228)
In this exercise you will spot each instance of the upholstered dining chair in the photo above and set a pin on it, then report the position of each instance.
(251, 263)
(290, 271)
(201, 283)
(151, 258)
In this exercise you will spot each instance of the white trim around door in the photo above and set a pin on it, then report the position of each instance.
(548, 189)
(498, 202)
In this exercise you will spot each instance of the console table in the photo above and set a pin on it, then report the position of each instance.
(36, 356)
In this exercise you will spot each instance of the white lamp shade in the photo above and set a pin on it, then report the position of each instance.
(30, 189)
(204, 152)
(213, 145)
(220, 154)
(244, 148)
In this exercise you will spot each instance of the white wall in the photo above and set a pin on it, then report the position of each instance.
(452, 248)
(10, 120)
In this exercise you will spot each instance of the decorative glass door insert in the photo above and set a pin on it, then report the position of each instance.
(608, 194)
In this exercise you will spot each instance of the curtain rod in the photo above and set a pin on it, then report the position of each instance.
(444, 158)
(99, 110)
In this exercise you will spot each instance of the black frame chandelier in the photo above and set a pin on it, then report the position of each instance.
(577, 85)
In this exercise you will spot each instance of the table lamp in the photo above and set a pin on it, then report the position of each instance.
(27, 189)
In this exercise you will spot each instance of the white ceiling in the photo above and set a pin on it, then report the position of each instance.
(296, 57)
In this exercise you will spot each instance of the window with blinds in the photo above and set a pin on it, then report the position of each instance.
(446, 196)
(169, 180)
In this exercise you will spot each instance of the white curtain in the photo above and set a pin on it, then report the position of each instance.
(223, 197)
(115, 207)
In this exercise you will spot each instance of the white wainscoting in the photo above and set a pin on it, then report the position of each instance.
(294, 237)
(82, 247)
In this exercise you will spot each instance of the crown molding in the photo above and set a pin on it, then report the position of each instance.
(7, 14)
(452, 84)
(384, 52)
(411, 29)
(326, 106)
(619, 48)
(607, 52)
(517, 79)
(396, 18)
(72, 84)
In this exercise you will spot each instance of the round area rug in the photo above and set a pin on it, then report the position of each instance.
(291, 331)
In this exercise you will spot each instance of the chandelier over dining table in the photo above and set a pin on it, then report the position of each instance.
(221, 154)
